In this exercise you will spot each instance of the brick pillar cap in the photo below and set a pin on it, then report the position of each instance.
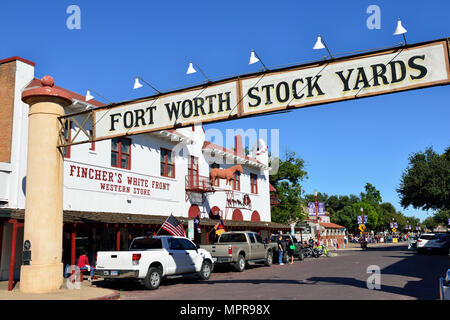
(47, 89)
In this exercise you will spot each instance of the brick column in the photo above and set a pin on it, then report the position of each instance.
(44, 189)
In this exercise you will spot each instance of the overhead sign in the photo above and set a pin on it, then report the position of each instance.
(363, 75)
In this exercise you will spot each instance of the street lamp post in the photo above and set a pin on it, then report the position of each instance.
(317, 215)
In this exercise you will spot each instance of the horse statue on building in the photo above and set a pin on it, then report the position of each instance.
(228, 174)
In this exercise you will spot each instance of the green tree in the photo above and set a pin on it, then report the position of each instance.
(287, 181)
(372, 195)
(425, 183)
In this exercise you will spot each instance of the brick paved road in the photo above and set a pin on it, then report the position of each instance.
(404, 275)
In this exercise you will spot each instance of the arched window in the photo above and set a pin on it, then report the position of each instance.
(237, 215)
(193, 211)
(214, 213)
(255, 216)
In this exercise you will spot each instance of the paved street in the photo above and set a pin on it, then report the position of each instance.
(404, 275)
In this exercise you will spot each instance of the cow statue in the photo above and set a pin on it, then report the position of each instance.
(227, 174)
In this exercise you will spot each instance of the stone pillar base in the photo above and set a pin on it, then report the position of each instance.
(41, 278)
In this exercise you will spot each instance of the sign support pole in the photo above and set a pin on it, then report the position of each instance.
(44, 189)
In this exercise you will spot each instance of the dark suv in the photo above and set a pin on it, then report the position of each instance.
(298, 251)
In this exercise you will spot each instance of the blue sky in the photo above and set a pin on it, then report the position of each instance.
(344, 144)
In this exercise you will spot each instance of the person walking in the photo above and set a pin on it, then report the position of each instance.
(281, 245)
(291, 250)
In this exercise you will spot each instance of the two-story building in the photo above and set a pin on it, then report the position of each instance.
(124, 187)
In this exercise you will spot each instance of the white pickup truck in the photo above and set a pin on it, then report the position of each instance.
(150, 259)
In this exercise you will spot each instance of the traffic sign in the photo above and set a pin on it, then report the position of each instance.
(394, 230)
(362, 227)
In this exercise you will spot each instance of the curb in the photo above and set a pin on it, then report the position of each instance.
(113, 296)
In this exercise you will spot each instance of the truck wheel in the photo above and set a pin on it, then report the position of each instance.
(205, 271)
(269, 259)
(301, 256)
(240, 264)
(153, 278)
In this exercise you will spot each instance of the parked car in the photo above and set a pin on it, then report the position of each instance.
(150, 259)
(444, 286)
(298, 251)
(432, 242)
(237, 248)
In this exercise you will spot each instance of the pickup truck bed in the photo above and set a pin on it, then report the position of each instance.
(152, 258)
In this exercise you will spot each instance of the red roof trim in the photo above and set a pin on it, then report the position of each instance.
(35, 83)
(17, 58)
(331, 225)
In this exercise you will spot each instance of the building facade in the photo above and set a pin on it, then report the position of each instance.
(120, 188)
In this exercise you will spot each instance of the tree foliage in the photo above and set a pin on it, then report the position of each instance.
(425, 183)
(287, 181)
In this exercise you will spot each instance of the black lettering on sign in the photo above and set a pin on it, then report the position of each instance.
(312, 86)
(379, 74)
(251, 95)
(224, 100)
(413, 65)
(345, 80)
(361, 77)
(128, 119)
(295, 90)
(198, 102)
(114, 119)
(268, 98)
(282, 91)
(173, 110)
(187, 105)
(210, 100)
(395, 76)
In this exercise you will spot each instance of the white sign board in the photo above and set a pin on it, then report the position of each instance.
(326, 81)
(177, 109)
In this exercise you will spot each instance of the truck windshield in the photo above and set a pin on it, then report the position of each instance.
(146, 244)
(233, 237)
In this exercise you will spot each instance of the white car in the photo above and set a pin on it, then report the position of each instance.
(428, 242)
(150, 259)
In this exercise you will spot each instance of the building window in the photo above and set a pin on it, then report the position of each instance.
(67, 137)
(254, 182)
(237, 181)
(167, 164)
(121, 153)
(216, 166)
(193, 171)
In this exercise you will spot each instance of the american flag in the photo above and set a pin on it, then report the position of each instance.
(174, 227)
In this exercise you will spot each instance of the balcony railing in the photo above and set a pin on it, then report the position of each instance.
(196, 183)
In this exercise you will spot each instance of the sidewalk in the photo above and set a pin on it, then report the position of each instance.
(357, 246)
(86, 292)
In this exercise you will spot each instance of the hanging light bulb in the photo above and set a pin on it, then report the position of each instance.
(253, 58)
(137, 84)
(319, 44)
(191, 69)
(399, 29)
(89, 96)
